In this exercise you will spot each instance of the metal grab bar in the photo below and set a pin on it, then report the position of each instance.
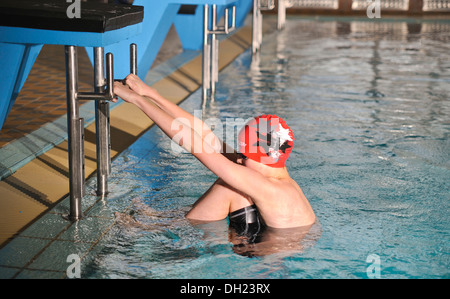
(210, 71)
(104, 92)
(257, 21)
(108, 94)
(281, 20)
(226, 29)
(101, 93)
(133, 59)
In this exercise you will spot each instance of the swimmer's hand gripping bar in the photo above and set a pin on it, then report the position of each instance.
(133, 62)
(108, 94)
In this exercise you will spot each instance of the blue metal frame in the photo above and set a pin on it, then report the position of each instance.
(158, 18)
(17, 61)
(19, 48)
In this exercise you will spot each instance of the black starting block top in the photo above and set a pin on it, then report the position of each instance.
(52, 15)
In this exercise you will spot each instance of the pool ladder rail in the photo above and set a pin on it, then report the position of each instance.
(257, 21)
(103, 93)
(210, 71)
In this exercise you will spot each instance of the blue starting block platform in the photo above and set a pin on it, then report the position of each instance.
(158, 18)
(25, 25)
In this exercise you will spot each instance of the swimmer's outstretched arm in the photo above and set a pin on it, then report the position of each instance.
(174, 126)
(138, 86)
(242, 178)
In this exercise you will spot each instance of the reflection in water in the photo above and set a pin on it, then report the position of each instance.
(284, 241)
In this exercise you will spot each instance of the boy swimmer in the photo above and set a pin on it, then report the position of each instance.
(253, 188)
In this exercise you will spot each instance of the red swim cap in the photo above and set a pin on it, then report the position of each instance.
(266, 139)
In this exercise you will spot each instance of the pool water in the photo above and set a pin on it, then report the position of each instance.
(369, 106)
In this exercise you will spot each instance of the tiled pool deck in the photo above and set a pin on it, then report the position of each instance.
(41, 251)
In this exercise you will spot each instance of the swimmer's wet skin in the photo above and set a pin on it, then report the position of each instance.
(261, 180)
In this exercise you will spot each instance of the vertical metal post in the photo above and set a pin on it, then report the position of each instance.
(214, 52)
(281, 14)
(110, 92)
(260, 25)
(206, 70)
(109, 75)
(233, 18)
(133, 59)
(210, 71)
(255, 26)
(101, 124)
(76, 137)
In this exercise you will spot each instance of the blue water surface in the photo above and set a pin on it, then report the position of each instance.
(369, 106)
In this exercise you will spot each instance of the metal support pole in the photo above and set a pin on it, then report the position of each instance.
(281, 14)
(256, 27)
(210, 70)
(257, 22)
(206, 69)
(260, 27)
(109, 76)
(214, 52)
(101, 124)
(133, 59)
(104, 91)
(75, 127)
